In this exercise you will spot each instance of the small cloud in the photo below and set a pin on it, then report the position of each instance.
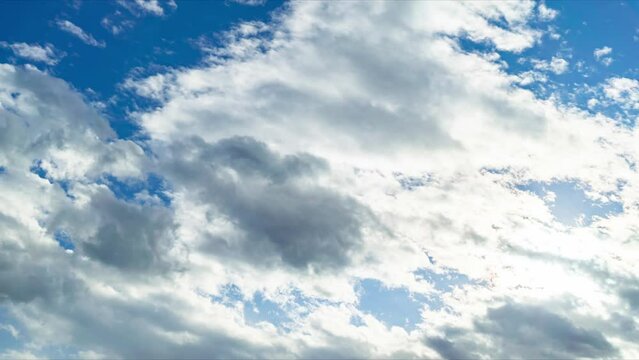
(555, 65)
(529, 77)
(624, 91)
(545, 13)
(115, 26)
(150, 6)
(46, 54)
(147, 7)
(250, 2)
(71, 28)
(601, 55)
(558, 65)
(592, 103)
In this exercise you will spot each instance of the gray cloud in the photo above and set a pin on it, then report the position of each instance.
(129, 236)
(631, 295)
(522, 331)
(279, 212)
(448, 349)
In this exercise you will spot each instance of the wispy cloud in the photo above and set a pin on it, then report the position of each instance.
(46, 54)
(73, 29)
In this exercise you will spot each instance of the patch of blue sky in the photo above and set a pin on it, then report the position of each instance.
(136, 190)
(3, 170)
(145, 42)
(410, 183)
(446, 281)
(262, 309)
(37, 169)
(392, 306)
(229, 295)
(13, 336)
(64, 240)
(10, 331)
(569, 203)
(258, 308)
(443, 282)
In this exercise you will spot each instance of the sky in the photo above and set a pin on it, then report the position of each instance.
(309, 179)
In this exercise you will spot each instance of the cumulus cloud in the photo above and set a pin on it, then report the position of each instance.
(73, 29)
(601, 55)
(46, 54)
(339, 141)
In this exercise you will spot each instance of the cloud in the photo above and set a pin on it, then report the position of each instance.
(147, 7)
(601, 55)
(339, 141)
(115, 24)
(71, 28)
(546, 13)
(46, 54)
(556, 65)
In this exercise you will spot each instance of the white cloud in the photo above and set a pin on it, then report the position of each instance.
(71, 28)
(623, 91)
(601, 55)
(148, 7)
(546, 13)
(601, 52)
(116, 25)
(46, 54)
(341, 141)
(250, 2)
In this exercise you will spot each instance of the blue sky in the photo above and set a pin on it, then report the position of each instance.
(242, 179)
(150, 42)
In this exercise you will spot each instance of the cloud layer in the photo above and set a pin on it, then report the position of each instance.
(340, 142)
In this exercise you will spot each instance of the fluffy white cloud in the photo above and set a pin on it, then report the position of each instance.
(622, 90)
(556, 65)
(46, 54)
(342, 141)
(601, 55)
(147, 7)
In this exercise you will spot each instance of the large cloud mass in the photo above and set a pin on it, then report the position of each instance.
(340, 145)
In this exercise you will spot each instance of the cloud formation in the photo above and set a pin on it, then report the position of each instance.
(46, 54)
(73, 29)
(339, 142)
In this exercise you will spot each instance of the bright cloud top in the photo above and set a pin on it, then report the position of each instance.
(346, 179)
